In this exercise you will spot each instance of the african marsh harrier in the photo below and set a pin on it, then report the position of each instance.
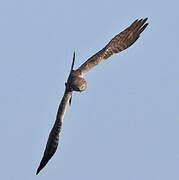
(76, 81)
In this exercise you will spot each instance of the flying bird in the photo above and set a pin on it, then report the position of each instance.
(76, 81)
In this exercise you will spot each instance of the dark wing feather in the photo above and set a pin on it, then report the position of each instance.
(53, 138)
(120, 42)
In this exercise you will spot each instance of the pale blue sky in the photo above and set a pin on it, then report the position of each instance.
(124, 126)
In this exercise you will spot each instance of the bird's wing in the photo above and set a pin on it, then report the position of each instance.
(53, 138)
(120, 42)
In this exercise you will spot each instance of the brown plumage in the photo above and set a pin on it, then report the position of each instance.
(120, 42)
(76, 82)
(53, 138)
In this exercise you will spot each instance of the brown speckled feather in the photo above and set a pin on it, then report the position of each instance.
(120, 42)
(53, 138)
(76, 82)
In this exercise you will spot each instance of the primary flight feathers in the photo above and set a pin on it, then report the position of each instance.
(76, 81)
(120, 42)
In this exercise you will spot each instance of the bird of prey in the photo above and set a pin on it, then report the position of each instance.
(76, 81)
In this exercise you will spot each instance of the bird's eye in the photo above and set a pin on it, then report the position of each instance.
(82, 87)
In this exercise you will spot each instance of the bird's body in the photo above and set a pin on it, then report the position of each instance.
(76, 81)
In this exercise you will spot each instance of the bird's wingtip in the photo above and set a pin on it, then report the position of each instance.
(42, 164)
(38, 170)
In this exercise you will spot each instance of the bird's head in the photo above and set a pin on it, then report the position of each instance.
(75, 81)
(78, 83)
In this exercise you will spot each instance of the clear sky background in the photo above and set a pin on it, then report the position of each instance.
(124, 126)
